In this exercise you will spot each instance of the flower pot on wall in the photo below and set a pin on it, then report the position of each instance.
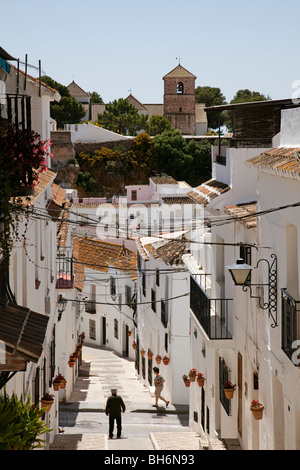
(257, 409)
(47, 401)
(158, 359)
(186, 380)
(143, 352)
(229, 389)
(192, 375)
(166, 360)
(200, 379)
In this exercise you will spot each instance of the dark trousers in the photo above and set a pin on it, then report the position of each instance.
(111, 425)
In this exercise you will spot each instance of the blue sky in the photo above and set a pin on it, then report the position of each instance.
(117, 45)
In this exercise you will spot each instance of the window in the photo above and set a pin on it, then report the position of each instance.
(180, 88)
(153, 299)
(116, 328)
(92, 329)
(144, 284)
(112, 286)
(128, 295)
(157, 277)
(133, 195)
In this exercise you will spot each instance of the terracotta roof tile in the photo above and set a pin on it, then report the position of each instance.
(281, 161)
(99, 255)
(245, 213)
(170, 252)
(208, 191)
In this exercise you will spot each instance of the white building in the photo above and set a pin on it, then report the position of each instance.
(223, 323)
(105, 277)
(163, 314)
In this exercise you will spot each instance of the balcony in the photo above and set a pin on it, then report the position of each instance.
(290, 310)
(64, 269)
(212, 314)
(16, 110)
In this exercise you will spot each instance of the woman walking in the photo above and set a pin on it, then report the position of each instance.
(159, 385)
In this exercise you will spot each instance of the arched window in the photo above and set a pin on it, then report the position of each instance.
(179, 88)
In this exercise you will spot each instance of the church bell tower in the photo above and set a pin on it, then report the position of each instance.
(179, 100)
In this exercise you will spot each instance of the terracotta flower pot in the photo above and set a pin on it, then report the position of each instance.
(229, 393)
(257, 411)
(56, 386)
(187, 383)
(47, 404)
(192, 377)
(200, 382)
(158, 360)
(142, 352)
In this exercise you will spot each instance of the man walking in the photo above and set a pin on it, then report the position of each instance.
(114, 406)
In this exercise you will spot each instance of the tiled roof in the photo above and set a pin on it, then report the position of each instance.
(99, 255)
(208, 191)
(179, 72)
(163, 180)
(245, 212)
(177, 200)
(281, 161)
(22, 330)
(44, 179)
(170, 252)
(58, 194)
(63, 225)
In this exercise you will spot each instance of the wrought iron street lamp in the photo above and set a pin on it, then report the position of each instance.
(61, 304)
(240, 272)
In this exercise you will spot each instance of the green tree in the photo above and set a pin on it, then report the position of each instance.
(211, 96)
(95, 97)
(157, 125)
(122, 117)
(67, 110)
(184, 161)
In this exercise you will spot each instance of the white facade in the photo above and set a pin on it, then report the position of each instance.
(251, 356)
(163, 328)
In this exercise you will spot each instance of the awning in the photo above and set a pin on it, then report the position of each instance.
(22, 334)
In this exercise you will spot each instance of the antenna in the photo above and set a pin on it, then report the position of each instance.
(178, 58)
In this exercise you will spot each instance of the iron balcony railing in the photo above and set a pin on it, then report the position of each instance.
(64, 269)
(212, 314)
(290, 310)
(16, 110)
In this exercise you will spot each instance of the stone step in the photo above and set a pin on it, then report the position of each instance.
(86, 441)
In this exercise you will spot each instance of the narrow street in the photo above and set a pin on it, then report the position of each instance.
(85, 425)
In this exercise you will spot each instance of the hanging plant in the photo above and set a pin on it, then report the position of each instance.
(257, 409)
(166, 360)
(192, 375)
(229, 389)
(200, 379)
(22, 159)
(47, 401)
(158, 359)
(186, 380)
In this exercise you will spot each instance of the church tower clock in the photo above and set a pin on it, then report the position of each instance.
(179, 100)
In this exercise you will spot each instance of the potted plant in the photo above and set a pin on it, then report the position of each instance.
(158, 358)
(166, 360)
(150, 354)
(257, 409)
(63, 381)
(186, 380)
(82, 336)
(143, 352)
(72, 359)
(129, 333)
(229, 389)
(134, 344)
(200, 379)
(56, 383)
(192, 375)
(47, 401)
